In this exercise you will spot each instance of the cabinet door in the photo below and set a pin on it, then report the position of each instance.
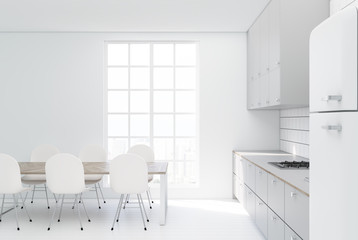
(242, 193)
(291, 235)
(255, 33)
(261, 216)
(264, 90)
(333, 63)
(275, 195)
(264, 42)
(250, 69)
(275, 86)
(235, 186)
(261, 184)
(274, 34)
(250, 176)
(275, 227)
(333, 186)
(297, 211)
(250, 202)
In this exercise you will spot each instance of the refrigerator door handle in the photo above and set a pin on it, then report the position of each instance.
(337, 98)
(333, 127)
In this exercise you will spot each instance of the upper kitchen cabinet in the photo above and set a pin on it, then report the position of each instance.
(278, 53)
(333, 63)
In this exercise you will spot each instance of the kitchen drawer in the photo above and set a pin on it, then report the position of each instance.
(297, 211)
(275, 195)
(235, 185)
(291, 235)
(242, 193)
(250, 176)
(241, 166)
(250, 202)
(275, 226)
(261, 183)
(261, 216)
(235, 164)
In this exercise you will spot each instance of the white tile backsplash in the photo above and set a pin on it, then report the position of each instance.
(294, 131)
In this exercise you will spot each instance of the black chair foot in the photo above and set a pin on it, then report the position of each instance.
(104, 201)
(48, 207)
(147, 220)
(48, 229)
(89, 220)
(18, 229)
(32, 201)
(99, 207)
(152, 201)
(111, 229)
(150, 207)
(30, 220)
(81, 229)
(22, 207)
(58, 220)
(145, 229)
(117, 220)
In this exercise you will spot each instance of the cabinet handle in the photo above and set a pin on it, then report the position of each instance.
(277, 100)
(333, 127)
(274, 181)
(250, 165)
(260, 204)
(293, 194)
(260, 172)
(278, 63)
(273, 218)
(337, 98)
(293, 238)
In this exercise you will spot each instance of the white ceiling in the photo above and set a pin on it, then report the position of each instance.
(129, 15)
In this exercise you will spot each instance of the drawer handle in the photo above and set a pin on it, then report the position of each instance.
(260, 204)
(293, 194)
(274, 181)
(337, 98)
(273, 218)
(333, 128)
(260, 172)
(293, 238)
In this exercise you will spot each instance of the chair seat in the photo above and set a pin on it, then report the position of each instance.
(34, 179)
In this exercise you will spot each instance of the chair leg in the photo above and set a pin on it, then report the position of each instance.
(126, 201)
(150, 205)
(59, 216)
(99, 206)
(84, 207)
(118, 211)
(48, 205)
(150, 194)
(33, 193)
(23, 204)
(2, 206)
(79, 214)
(54, 196)
(15, 207)
(145, 212)
(100, 189)
(53, 216)
(141, 212)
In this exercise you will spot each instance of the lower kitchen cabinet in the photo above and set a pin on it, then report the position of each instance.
(290, 234)
(242, 193)
(261, 216)
(275, 226)
(275, 197)
(297, 211)
(250, 202)
(235, 186)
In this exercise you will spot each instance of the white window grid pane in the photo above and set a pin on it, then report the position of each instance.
(176, 89)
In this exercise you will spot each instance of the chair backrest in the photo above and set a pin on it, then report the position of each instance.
(144, 151)
(10, 178)
(43, 152)
(93, 153)
(65, 174)
(128, 174)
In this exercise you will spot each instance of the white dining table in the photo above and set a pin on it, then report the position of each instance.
(102, 168)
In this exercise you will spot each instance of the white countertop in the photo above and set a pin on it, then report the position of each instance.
(295, 178)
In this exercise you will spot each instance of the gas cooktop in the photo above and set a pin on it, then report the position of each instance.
(291, 165)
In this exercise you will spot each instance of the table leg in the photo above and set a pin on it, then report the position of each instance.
(163, 198)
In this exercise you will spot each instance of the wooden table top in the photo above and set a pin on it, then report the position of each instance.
(90, 167)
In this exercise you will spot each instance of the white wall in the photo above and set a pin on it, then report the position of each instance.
(51, 91)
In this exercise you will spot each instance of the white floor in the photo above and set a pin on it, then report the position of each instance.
(187, 220)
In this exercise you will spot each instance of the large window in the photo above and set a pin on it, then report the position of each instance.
(152, 99)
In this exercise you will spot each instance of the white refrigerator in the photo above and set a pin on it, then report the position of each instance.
(334, 128)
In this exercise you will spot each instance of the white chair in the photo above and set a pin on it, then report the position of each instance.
(40, 154)
(129, 175)
(94, 153)
(65, 175)
(147, 153)
(10, 183)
